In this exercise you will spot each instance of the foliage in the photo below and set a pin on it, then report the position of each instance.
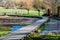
(4, 30)
(35, 35)
(37, 5)
(21, 12)
(2, 33)
(28, 5)
(52, 5)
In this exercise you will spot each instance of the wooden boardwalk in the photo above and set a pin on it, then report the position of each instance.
(8, 20)
(23, 32)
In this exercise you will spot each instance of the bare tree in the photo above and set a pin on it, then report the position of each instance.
(9, 4)
(37, 5)
(28, 5)
(53, 4)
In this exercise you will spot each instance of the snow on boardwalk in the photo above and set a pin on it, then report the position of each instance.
(23, 32)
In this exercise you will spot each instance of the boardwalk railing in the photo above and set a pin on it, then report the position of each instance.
(23, 32)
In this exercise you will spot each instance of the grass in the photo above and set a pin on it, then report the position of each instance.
(22, 12)
(54, 34)
(4, 30)
(36, 35)
(38, 31)
(2, 33)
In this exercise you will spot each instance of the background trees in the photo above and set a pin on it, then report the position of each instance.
(9, 4)
(28, 5)
(37, 5)
(53, 4)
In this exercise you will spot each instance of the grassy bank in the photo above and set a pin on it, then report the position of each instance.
(22, 12)
(4, 30)
(2, 33)
(36, 35)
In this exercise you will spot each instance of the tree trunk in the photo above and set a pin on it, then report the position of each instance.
(28, 11)
(48, 12)
(38, 12)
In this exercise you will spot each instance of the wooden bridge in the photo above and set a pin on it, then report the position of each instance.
(23, 32)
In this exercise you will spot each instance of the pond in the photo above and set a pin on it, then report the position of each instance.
(16, 27)
(52, 26)
(10, 24)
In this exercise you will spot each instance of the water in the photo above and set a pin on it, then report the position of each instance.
(15, 27)
(52, 26)
(31, 20)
